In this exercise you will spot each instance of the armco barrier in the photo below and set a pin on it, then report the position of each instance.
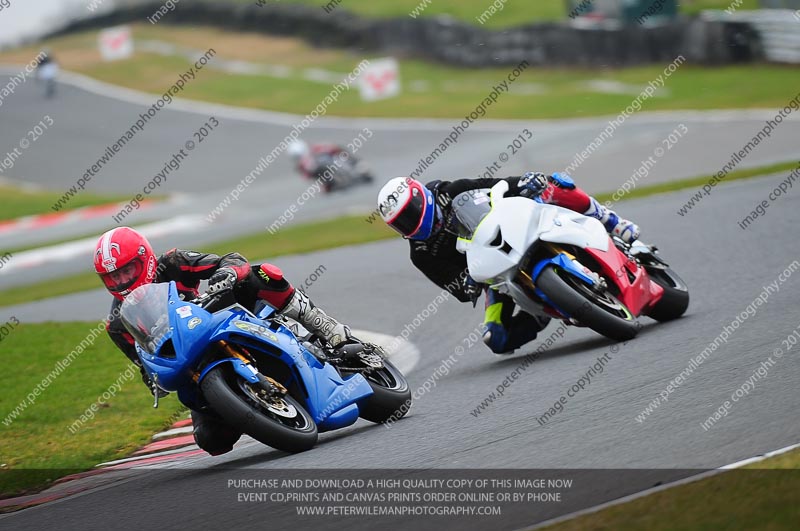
(444, 39)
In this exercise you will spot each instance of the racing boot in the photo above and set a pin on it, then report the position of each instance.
(524, 328)
(332, 332)
(626, 230)
(506, 332)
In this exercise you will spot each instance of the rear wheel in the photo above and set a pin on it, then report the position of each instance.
(599, 310)
(675, 300)
(280, 422)
(391, 395)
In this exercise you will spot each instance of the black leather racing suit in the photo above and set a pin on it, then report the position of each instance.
(437, 256)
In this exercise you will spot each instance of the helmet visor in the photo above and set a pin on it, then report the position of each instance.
(409, 218)
(124, 277)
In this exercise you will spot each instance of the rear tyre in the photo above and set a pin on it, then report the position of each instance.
(282, 424)
(601, 312)
(675, 300)
(391, 396)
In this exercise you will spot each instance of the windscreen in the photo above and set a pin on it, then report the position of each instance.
(470, 208)
(145, 315)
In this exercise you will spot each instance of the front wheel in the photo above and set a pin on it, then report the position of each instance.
(278, 422)
(391, 395)
(601, 312)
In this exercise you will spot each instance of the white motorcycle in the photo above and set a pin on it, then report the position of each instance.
(558, 263)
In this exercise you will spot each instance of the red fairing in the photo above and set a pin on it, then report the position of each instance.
(639, 295)
(326, 149)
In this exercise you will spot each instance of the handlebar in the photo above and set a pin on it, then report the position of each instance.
(210, 297)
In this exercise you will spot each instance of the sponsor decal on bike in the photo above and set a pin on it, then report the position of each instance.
(255, 329)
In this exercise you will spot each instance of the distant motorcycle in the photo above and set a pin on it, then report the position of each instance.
(339, 174)
(253, 371)
(557, 263)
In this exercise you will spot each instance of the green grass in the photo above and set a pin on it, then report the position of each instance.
(37, 446)
(696, 182)
(514, 13)
(18, 202)
(452, 92)
(757, 497)
(455, 92)
(295, 239)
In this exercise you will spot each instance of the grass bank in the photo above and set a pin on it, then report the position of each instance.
(429, 90)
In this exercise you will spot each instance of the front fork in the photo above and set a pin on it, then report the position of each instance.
(565, 261)
(245, 366)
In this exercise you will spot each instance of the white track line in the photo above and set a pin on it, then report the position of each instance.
(180, 450)
(653, 490)
(174, 432)
(84, 247)
(405, 357)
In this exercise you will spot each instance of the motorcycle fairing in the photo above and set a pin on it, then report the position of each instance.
(329, 399)
(635, 292)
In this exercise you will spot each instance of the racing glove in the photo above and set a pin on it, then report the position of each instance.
(223, 279)
(532, 184)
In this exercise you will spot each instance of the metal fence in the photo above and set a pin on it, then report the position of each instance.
(778, 30)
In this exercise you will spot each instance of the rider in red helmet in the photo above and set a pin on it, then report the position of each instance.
(423, 213)
(125, 260)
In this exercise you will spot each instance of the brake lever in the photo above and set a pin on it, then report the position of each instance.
(154, 383)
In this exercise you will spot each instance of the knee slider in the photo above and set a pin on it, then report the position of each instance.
(270, 272)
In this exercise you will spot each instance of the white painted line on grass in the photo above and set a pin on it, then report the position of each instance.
(85, 247)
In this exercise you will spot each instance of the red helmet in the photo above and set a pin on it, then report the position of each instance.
(124, 260)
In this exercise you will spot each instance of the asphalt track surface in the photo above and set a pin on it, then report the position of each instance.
(374, 286)
(88, 116)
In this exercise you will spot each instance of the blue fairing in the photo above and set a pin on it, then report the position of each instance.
(328, 398)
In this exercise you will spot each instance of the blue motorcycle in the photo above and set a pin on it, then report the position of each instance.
(253, 371)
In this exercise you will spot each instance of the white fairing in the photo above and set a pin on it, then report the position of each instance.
(521, 222)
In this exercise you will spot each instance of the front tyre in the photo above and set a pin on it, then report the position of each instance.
(601, 312)
(391, 395)
(281, 423)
